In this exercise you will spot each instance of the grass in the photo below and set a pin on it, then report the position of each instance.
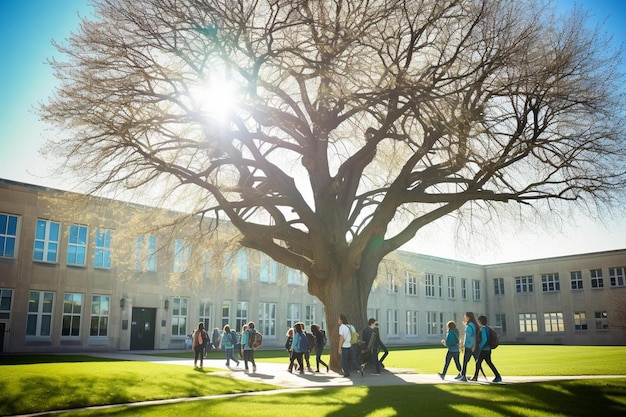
(35, 383)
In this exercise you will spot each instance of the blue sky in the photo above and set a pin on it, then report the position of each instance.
(28, 26)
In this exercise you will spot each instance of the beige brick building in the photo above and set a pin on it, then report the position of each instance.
(75, 275)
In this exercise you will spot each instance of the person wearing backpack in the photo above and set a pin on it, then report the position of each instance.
(320, 342)
(228, 341)
(370, 341)
(346, 333)
(200, 340)
(452, 343)
(484, 350)
(299, 346)
(248, 350)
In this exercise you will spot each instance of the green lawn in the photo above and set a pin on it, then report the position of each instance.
(33, 383)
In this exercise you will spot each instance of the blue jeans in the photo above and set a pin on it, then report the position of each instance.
(348, 358)
(229, 356)
(449, 357)
(374, 360)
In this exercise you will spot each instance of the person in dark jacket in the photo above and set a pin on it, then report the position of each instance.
(320, 342)
(370, 339)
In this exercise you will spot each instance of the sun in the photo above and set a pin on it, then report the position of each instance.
(215, 97)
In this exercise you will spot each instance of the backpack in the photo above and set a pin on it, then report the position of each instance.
(255, 339)
(493, 338)
(311, 340)
(204, 336)
(233, 339)
(354, 335)
(303, 343)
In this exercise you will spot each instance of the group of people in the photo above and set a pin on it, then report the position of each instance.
(356, 351)
(227, 340)
(475, 345)
(301, 343)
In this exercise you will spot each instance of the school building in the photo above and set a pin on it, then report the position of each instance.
(75, 275)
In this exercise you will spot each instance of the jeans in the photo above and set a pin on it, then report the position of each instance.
(467, 355)
(248, 356)
(374, 359)
(485, 355)
(230, 356)
(449, 357)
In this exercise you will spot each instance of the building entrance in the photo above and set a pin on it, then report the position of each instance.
(142, 329)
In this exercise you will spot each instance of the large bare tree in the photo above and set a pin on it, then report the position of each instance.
(344, 126)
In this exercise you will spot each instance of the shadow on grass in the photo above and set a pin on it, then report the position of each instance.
(571, 398)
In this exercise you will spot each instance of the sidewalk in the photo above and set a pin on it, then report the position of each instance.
(277, 374)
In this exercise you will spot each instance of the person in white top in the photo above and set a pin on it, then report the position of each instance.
(345, 347)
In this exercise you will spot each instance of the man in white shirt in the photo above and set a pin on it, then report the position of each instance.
(345, 347)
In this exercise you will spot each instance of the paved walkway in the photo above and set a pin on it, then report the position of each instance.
(277, 374)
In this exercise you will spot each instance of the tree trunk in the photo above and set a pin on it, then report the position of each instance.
(345, 295)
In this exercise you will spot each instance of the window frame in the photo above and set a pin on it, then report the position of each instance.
(77, 241)
(71, 320)
(49, 244)
(100, 315)
(102, 256)
(9, 233)
(40, 313)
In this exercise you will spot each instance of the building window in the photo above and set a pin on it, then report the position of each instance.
(602, 322)
(429, 285)
(464, 288)
(434, 323)
(576, 278)
(451, 288)
(475, 290)
(204, 313)
(501, 322)
(226, 314)
(72, 312)
(293, 314)
(440, 286)
(77, 245)
(294, 277)
(498, 286)
(145, 253)
(241, 314)
(181, 256)
(8, 235)
(102, 250)
(410, 283)
(524, 285)
(46, 241)
(242, 265)
(411, 322)
(392, 323)
(100, 307)
(39, 320)
(553, 322)
(309, 315)
(392, 285)
(616, 276)
(527, 322)
(179, 316)
(267, 319)
(6, 295)
(580, 320)
(268, 269)
(550, 282)
(596, 278)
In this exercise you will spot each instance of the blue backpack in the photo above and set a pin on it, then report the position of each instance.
(303, 343)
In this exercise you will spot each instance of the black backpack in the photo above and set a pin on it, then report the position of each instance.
(494, 342)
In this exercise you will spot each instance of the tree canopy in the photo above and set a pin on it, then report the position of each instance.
(312, 126)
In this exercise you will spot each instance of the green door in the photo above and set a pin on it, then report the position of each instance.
(142, 329)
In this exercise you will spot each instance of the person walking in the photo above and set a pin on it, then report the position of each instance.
(248, 351)
(484, 351)
(320, 342)
(289, 343)
(228, 341)
(345, 346)
(299, 346)
(200, 340)
(469, 343)
(370, 339)
(381, 346)
(452, 341)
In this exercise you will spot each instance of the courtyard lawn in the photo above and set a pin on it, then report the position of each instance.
(35, 383)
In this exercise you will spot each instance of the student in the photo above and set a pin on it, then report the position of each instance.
(200, 339)
(289, 343)
(381, 346)
(228, 340)
(452, 342)
(469, 343)
(370, 338)
(320, 342)
(345, 347)
(248, 352)
(484, 351)
(299, 346)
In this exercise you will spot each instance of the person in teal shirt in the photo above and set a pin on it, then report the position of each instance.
(484, 351)
(452, 342)
(469, 344)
